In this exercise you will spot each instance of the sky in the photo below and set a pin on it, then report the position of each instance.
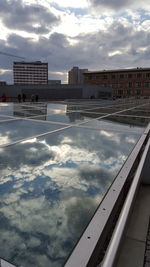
(91, 34)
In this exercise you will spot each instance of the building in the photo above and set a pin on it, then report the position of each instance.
(75, 76)
(54, 81)
(2, 83)
(124, 82)
(57, 91)
(30, 72)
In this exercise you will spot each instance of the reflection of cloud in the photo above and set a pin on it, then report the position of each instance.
(52, 187)
(33, 242)
(107, 134)
(4, 139)
(66, 140)
(17, 130)
(130, 140)
(111, 136)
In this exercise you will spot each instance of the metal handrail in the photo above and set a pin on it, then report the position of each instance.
(113, 248)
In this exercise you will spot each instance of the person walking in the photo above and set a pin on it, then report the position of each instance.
(32, 98)
(36, 98)
(24, 98)
(19, 98)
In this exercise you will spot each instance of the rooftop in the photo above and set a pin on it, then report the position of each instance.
(119, 70)
(58, 161)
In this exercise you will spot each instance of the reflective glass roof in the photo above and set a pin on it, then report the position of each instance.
(57, 161)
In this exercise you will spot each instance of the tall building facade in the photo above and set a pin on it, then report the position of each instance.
(124, 82)
(75, 75)
(30, 72)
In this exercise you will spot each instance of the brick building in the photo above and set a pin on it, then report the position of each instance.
(124, 82)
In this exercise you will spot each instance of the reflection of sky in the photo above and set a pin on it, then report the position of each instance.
(136, 112)
(56, 108)
(6, 109)
(74, 117)
(16, 130)
(122, 124)
(5, 118)
(50, 190)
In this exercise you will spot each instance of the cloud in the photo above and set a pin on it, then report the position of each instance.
(31, 18)
(50, 190)
(117, 4)
(118, 43)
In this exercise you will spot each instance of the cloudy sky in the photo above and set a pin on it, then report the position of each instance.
(93, 34)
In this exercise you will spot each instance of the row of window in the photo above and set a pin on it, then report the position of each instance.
(32, 79)
(116, 76)
(30, 72)
(30, 82)
(30, 66)
(30, 75)
(129, 85)
(128, 92)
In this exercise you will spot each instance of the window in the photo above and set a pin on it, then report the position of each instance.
(129, 84)
(128, 92)
(105, 77)
(113, 76)
(138, 84)
(120, 92)
(129, 75)
(147, 84)
(139, 75)
(121, 76)
(138, 92)
(148, 75)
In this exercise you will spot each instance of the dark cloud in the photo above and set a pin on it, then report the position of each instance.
(16, 15)
(113, 4)
(94, 51)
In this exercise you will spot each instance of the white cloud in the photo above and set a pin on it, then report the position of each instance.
(114, 53)
(73, 4)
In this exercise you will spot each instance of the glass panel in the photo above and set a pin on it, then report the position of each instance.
(120, 122)
(105, 110)
(19, 129)
(27, 110)
(84, 106)
(23, 110)
(73, 117)
(56, 108)
(6, 109)
(144, 113)
(50, 188)
(5, 118)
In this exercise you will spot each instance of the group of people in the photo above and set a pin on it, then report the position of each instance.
(34, 98)
(23, 98)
